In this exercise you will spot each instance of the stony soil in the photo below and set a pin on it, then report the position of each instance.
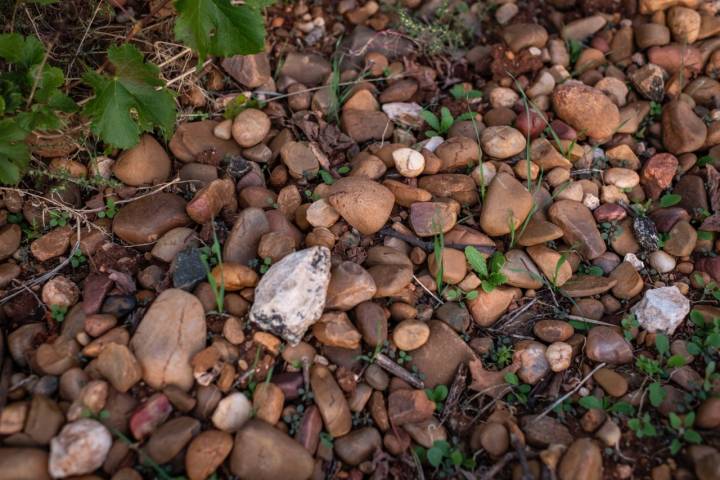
(311, 286)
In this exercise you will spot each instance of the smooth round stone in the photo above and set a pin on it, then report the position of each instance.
(502, 141)
(662, 262)
(411, 334)
(553, 330)
(358, 446)
(559, 356)
(587, 285)
(612, 382)
(606, 344)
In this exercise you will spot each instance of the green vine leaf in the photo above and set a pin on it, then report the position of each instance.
(216, 27)
(129, 103)
(14, 153)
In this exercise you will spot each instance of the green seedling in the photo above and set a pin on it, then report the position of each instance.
(489, 271)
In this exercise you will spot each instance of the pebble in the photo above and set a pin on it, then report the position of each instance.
(662, 309)
(60, 292)
(149, 218)
(586, 109)
(408, 162)
(544, 431)
(242, 242)
(250, 127)
(171, 437)
(502, 142)
(335, 329)
(119, 366)
(79, 449)
(206, 453)
(507, 203)
(533, 363)
(364, 204)
(410, 334)
(291, 294)
(23, 464)
(150, 415)
(358, 446)
(682, 130)
(331, 401)
(605, 344)
(559, 356)
(578, 226)
(582, 460)
(232, 412)
(261, 451)
(662, 262)
(145, 163)
(553, 330)
(612, 382)
(165, 358)
(439, 358)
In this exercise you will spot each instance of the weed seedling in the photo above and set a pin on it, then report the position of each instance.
(210, 257)
(437, 395)
(58, 312)
(77, 258)
(110, 209)
(440, 126)
(683, 431)
(488, 271)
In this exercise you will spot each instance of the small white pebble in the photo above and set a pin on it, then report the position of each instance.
(633, 260)
(535, 51)
(591, 201)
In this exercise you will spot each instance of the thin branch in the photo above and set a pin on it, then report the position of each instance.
(575, 389)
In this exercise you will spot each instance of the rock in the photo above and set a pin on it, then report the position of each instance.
(147, 219)
(51, 244)
(170, 244)
(538, 232)
(242, 242)
(150, 415)
(553, 330)
(196, 142)
(682, 130)
(232, 412)
(60, 292)
(487, 307)
(586, 109)
(10, 237)
(206, 453)
(23, 464)
(675, 57)
(79, 449)
(307, 68)
(291, 295)
(559, 355)
(684, 23)
(457, 153)
(629, 282)
(364, 204)
(612, 382)
(507, 203)
(582, 28)
(533, 364)
(119, 366)
(331, 401)
(492, 436)
(649, 81)
(170, 333)
(657, 173)
(335, 330)
(432, 218)
(502, 142)
(300, 160)
(8, 272)
(662, 262)
(554, 266)
(579, 227)
(189, 269)
(172, 436)
(544, 431)
(250, 127)
(662, 309)
(582, 461)
(454, 265)
(439, 358)
(350, 285)
(409, 406)
(426, 433)
(268, 400)
(145, 163)
(623, 178)
(250, 70)
(262, 452)
(522, 35)
(520, 270)
(605, 344)
(411, 334)
(408, 162)
(399, 91)
(681, 240)
(364, 125)
(358, 446)
(234, 276)
(708, 414)
(44, 419)
(208, 202)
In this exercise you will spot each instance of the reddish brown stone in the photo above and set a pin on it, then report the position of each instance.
(657, 173)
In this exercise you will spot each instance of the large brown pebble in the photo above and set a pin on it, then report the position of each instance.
(683, 131)
(206, 453)
(250, 127)
(553, 330)
(196, 142)
(364, 204)
(582, 460)
(606, 344)
(262, 452)
(586, 109)
(147, 219)
(23, 464)
(331, 401)
(409, 406)
(147, 162)
(507, 205)
(612, 382)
